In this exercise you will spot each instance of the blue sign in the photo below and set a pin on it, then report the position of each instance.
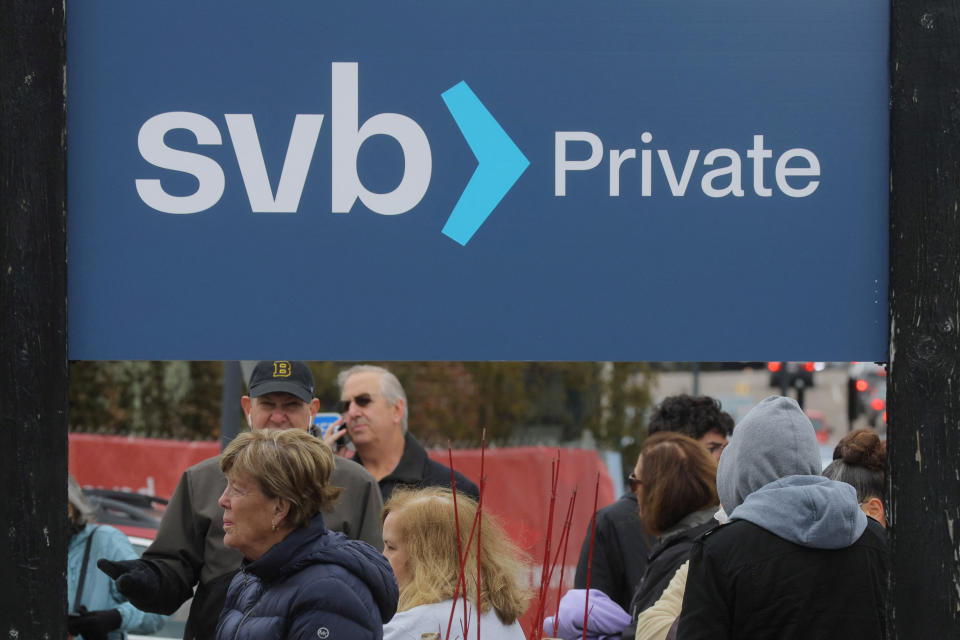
(561, 180)
(324, 420)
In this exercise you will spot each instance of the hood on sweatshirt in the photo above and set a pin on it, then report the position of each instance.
(774, 440)
(811, 511)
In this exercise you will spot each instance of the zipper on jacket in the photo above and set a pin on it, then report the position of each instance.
(249, 611)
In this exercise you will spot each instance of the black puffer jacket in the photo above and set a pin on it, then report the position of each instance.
(664, 560)
(313, 584)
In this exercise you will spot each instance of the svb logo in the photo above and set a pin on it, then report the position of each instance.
(500, 162)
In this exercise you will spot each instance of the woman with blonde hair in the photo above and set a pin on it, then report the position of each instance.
(298, 580)
(420, 541)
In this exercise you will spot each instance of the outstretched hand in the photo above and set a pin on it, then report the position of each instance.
(135, 579)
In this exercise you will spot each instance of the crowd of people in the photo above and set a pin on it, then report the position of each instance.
(726, 532)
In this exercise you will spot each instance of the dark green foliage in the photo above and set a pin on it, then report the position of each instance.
(168, 399)
(451, 401)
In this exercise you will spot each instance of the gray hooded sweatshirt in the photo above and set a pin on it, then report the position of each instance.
(769, 475)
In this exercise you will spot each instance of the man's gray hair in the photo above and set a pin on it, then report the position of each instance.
(390, 387)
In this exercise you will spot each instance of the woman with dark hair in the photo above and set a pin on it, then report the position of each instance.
(860, 460)
(676, 487)
(298, 580)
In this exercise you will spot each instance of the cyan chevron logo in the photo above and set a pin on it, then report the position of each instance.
(499, 162)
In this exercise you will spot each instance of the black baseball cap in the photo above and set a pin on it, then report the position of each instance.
(282, 376)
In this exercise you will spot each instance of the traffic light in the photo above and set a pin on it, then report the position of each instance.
(867, 394)
(791, 375)
(854, 403)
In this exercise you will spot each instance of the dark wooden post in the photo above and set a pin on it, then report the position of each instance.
(924, 378)
(33, 356)
(230, 412)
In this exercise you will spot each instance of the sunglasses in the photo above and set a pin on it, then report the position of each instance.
(361, 401)
(634, 482)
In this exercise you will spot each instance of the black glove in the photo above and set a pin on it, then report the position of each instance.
(135, 579)
(94, 625)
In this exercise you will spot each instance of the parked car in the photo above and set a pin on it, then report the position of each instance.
(133, 513)
(138, 516)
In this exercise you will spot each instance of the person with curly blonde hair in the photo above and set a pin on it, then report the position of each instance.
(420, 542)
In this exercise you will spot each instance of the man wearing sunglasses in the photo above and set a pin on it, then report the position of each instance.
(621, 544)
(189, 549)
(374, 408)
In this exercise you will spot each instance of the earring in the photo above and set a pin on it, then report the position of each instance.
(274, 526)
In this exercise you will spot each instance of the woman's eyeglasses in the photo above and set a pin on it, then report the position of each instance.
(361, 401)
(634, 482)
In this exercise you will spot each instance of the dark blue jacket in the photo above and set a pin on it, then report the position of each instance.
(313, 584)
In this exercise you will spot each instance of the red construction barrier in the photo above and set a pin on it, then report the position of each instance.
(144, 465)
(517, 490)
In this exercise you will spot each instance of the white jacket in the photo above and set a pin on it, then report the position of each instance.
(654, 622)
(427, 618)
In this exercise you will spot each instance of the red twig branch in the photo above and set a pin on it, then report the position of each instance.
(461, 580)
(564, 538)
(483, 484)
(593, 530)
(456, 513)
(561, 544)
(545, 567)
(461, 554)
(465, 551)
